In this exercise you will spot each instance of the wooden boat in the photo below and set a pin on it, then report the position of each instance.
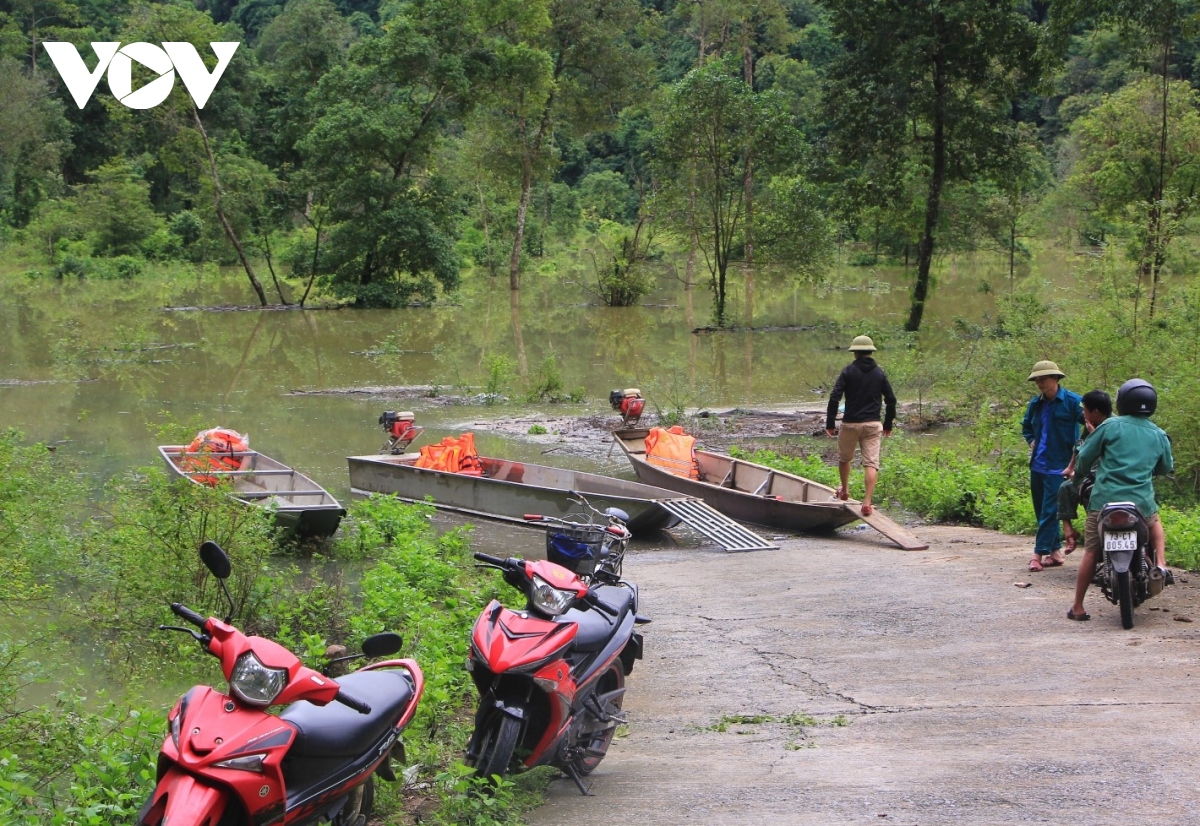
(300, 504)
(760, 495)
(507, 490)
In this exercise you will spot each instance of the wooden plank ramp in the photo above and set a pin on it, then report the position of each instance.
(718, 527)
(897, 533)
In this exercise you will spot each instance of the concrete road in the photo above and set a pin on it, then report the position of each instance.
(896, 687)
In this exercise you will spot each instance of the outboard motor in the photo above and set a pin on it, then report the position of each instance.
(629, 403)
(400, 430)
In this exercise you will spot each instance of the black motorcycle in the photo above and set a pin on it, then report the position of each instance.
(1127, 574)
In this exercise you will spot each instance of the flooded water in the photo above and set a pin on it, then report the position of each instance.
(96, 367)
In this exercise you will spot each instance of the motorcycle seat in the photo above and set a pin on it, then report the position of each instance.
(596, 628)
(336, 730)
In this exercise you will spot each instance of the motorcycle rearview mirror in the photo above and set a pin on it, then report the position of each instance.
(217, 561)
(380, 645)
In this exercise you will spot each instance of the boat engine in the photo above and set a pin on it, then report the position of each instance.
(400, 430)
(629, 403)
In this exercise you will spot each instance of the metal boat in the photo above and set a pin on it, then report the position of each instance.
(508, 490)
(760, 495)
(300, 504)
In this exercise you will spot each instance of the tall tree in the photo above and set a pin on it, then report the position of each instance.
(712, 125)
(590, 67)
(1156, 24)
(935, 77)
(372, 151)
(1120, 167)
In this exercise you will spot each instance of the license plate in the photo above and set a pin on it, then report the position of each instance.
(1120, 541)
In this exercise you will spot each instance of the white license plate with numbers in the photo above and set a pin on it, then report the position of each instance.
(1120, 541)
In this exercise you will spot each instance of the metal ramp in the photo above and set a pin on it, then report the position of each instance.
(718, 527)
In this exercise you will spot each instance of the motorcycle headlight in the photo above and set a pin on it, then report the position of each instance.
(254, 683)
(548, 599)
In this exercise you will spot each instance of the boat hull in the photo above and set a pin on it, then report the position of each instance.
(302, 507)
(748, 491)
(508, 490)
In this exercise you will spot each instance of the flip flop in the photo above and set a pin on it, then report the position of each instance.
(867, 510)
(1071, 615)
(1035, 565)
(1051, 562)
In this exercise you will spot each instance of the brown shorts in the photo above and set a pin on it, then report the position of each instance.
(1091, 532)
(864, 435)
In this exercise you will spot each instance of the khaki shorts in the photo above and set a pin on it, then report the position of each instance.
(864, 435)
(1091, 532)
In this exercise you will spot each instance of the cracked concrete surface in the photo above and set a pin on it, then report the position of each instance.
(968, 701)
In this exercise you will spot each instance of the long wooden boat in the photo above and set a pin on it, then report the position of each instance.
(746, 491)
(760, 495)
(300, 504)
(507, 490)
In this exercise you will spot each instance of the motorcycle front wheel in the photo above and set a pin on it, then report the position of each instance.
(497, 746)
(1125, 599)
(598, 744)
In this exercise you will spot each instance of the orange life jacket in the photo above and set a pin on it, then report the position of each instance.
(453, 455)
(673, 451)
(215, 449)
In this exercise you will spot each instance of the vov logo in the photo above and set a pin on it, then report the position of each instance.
(118, 60)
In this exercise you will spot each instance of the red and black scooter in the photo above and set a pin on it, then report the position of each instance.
(551, 678)
(227, 762)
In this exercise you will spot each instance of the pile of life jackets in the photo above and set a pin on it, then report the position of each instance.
(673, 451)
(453, 455)
(216, 449)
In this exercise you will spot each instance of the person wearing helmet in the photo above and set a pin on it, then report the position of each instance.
(1051, 428)
(865, 384)
(1128, 451)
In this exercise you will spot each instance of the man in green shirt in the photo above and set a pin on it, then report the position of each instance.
(1131, 450)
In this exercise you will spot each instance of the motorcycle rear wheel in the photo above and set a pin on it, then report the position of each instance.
(499, 743)
(612, 680)
(1125, 599)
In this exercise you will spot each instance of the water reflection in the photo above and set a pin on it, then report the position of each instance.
(122, 360)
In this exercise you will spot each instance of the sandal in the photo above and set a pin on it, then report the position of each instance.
(1051, 562)
(867, 510)
(1071, 615)
(1035, 565)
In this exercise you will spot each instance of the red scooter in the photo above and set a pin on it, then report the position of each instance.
(227, 762)
(551, 678)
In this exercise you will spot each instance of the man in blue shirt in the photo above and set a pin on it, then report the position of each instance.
(1051, 428)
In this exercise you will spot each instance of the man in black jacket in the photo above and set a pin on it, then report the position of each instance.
(864, 384)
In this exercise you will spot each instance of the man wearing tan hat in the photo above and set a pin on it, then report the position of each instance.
(864, 384)
(1051, 429)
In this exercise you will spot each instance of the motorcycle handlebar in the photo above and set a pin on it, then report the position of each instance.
(490, 560)
(594, 601)
(181, 610)
(346, 700)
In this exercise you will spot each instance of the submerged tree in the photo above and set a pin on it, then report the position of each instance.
(713, 127)
(935, 79)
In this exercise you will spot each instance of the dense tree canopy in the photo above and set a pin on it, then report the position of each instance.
(370, 149)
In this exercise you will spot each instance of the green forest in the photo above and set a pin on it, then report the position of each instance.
(371, 151)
